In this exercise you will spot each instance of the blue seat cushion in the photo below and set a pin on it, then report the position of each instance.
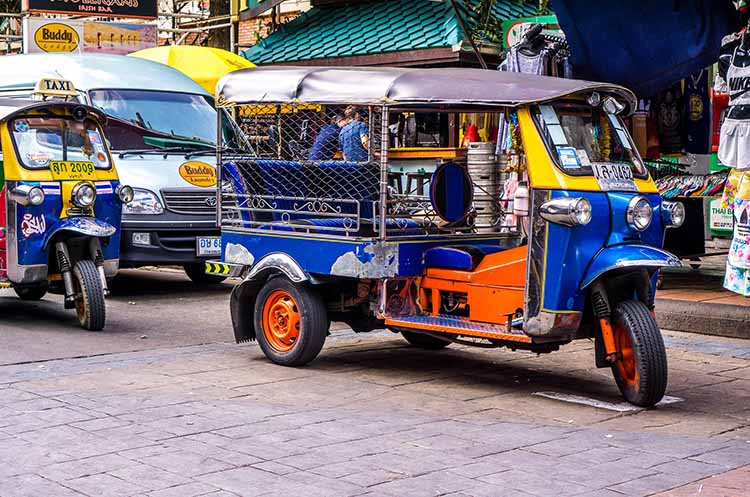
(458, 257)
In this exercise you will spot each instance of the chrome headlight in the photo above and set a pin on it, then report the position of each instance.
(639, 213)
(125, 194)
(27, 195)
(673, 214)
(83, 195)
(144, 202)
(569, 211)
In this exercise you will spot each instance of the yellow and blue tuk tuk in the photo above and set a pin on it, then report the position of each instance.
(60, 202)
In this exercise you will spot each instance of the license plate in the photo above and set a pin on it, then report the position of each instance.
(71, 170)
(208, 245)
(614, 177)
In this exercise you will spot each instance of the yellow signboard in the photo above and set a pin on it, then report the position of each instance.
(56, 37)
(198, 173)
(70, 170)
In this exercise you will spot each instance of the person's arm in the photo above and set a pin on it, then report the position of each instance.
(364, 136)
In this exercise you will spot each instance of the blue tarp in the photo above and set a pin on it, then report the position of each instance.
(644, 45)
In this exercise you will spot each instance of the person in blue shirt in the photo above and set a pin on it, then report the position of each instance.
(327, 142)
(354, 138)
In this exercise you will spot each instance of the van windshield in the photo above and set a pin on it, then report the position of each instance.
(581, 137)
(180, 116)
(41, 140)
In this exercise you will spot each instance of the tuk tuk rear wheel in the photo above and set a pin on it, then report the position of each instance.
(291, 322)
(89, 296)
(641, 368)
(35, 292)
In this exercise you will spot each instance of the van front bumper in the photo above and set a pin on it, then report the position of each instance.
(169, 242)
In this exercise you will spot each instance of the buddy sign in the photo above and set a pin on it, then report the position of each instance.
(141, 9)
(59, 35)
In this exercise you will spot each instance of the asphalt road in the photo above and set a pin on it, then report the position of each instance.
(147, 310)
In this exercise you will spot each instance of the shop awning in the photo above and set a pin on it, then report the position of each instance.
(645, 46)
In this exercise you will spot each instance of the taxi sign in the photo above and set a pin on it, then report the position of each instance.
(55, 87)
(71, 170)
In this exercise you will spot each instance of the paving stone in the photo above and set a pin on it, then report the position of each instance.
(487, 490)
(603, 475)
(535, 484)
(149, 477)
(428, 485)
(690, 469)
(186, 463)
(103, 485)
(371, 477)
(651, 484)
(194, 489)
(734, 456)
(34, 486)
(84, 467)
(247, 481)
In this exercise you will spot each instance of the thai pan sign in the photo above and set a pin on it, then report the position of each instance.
(142, 9)
(58, 35)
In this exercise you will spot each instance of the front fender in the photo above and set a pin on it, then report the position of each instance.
(627, 255)
(86, 226)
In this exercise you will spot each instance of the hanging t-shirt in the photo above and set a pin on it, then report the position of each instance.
(669, 119)
(697, 113)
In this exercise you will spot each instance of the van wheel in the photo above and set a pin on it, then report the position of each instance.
(291, 322)
(197, 274)
(641, 370)
(424, 341)
(35, 292)
(89, 296)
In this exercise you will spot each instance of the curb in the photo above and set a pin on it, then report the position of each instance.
(706, 319)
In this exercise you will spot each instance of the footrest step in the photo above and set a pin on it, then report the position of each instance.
(458, 326)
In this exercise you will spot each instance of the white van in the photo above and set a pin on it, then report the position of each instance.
(162, 132)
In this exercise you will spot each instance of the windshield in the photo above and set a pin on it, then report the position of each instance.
(156, 114)
(579, 135)
(40, 140)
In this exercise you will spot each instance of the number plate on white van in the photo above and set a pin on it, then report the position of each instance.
(207, 246)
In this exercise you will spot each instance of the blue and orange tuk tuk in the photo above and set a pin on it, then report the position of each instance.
(556, 237)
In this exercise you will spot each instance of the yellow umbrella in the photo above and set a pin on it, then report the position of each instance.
(205, 65)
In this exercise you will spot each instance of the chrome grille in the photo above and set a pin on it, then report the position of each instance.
(190, 201)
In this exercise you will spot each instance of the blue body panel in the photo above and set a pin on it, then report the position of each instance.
(43, 221)
(576, 253)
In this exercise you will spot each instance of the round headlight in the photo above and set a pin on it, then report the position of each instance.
(675, 214)
(639, 213)
(581, 211)
(36, 196)
(125, 194)
(84, 195)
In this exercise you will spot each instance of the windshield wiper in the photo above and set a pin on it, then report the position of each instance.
(149, 151)
(213, 151)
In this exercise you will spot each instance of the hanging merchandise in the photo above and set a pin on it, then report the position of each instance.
(734, 143)
(668, 107)
(697, 113)
(737, 198)
(703, 185)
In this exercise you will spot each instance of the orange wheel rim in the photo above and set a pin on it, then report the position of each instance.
(626, 363)
(281, 321)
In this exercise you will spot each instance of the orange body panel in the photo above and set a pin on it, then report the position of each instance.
(494, 290)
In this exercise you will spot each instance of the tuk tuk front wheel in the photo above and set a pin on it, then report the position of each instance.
(641, 368)
(290, 321)
(89, 296)
(36, 292)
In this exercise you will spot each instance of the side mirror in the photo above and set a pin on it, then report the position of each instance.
(451, 192)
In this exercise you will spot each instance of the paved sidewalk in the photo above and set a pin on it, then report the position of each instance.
(372, 417)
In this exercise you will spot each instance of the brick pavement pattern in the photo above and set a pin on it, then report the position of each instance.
(371, 417)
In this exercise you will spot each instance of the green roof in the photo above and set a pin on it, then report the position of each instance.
(368, 28)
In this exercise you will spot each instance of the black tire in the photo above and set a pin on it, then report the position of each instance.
(424, 341)
(36, 292)
(641, 373)
(307, 309)
(197, 274)
(89, 297)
